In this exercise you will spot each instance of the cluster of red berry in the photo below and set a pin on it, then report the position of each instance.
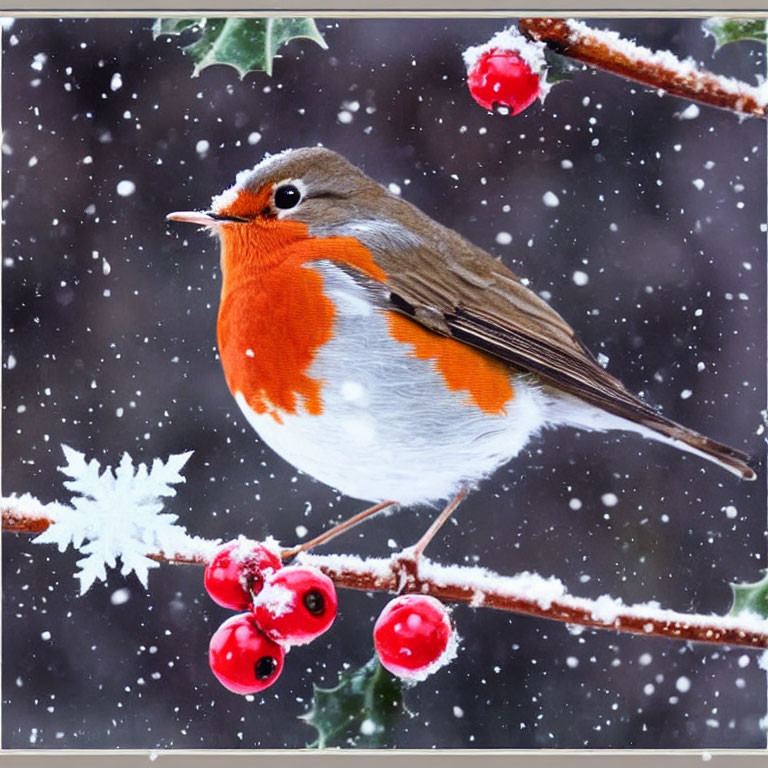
(289, 605)
(292, 605)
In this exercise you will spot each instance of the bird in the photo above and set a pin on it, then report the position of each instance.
(384, 354)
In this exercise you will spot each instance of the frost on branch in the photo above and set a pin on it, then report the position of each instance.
(662, 70)
(119, 514)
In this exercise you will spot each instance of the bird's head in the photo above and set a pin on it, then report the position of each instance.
(314, 186)
(289, 196)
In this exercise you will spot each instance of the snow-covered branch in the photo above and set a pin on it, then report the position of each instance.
(26, 514)
(535, 595)
(662, 70)
(525, 593)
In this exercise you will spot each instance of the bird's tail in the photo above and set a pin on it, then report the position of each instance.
(580, 414)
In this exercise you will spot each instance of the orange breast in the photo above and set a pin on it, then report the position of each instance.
(486, 380)
(268, 333)
(274, 316)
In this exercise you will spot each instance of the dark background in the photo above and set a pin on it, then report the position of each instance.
(142, 339)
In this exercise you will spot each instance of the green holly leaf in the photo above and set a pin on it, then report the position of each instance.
(751, 598)
(172, 26)
(726, 30)
(360, 711)
(559, 68)
(248, 45)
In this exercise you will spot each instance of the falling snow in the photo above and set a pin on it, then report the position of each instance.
(110, 344)
(125, 188)
(551, 200)
(580, 278)
(691, 112)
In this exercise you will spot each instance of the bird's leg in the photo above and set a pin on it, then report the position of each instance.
(438, 523)
(406, 564)
(332, 533)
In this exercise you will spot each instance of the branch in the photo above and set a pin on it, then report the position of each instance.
(534, 595)
(525, 593)
(25, 514)
(658, 69)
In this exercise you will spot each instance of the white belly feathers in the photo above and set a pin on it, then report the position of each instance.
(390, 429)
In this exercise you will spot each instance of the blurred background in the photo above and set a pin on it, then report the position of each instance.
(641, 221)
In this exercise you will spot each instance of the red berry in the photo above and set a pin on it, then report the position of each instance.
(501, 77)
(296, 605)
(414, 637)
(238, 570)
(244, 659)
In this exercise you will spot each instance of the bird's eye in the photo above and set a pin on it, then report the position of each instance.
(287, 196)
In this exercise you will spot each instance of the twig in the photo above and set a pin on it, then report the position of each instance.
(658, 69)
(525, 593)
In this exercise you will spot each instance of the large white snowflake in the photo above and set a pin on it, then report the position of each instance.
(119, 514)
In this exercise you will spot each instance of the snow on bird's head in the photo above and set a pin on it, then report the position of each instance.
(310, 169)
(228, 196)
(245, 177)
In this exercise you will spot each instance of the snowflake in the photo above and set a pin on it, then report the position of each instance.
(119, 514)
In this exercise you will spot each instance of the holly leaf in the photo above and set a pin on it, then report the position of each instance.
(248, 45)
(727, 30)
(750, 598)
(559, 68)
(360, 711)
(163, 27)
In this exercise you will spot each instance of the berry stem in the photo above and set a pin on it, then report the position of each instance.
(606, 50)
(340, 528)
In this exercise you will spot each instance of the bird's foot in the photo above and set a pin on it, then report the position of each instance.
(340, 528)
(406, 563)
(405, 566)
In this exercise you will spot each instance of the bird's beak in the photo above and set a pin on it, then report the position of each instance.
(193, 217)
(204, 218)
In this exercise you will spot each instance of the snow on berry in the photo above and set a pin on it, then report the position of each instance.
(242, 657)
(507, 72)
(414, 637)
(277, 600)
(296, 605)
(238, 569)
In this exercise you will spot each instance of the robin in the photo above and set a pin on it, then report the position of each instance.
(384, 354)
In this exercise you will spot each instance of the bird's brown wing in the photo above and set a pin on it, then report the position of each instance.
(506, 319)
(458, 290)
